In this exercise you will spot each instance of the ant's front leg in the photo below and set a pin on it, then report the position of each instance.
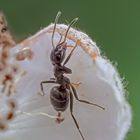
(69, 56)
(45, 82)
(83, 101)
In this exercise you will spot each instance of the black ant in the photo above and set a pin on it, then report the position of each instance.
(62, 94)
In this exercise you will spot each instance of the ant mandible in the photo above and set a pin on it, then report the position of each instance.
(62, 94)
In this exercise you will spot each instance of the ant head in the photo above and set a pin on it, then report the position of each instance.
(58, 53)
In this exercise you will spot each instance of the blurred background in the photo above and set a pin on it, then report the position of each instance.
(114, 25)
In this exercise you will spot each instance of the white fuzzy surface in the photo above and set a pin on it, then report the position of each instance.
(100, 83)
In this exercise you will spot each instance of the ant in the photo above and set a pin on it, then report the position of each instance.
(62, 94)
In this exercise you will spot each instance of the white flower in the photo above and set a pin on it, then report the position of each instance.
(100, 83)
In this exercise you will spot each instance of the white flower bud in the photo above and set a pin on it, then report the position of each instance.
(99, 83)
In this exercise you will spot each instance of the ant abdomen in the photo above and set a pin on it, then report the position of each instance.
(59, 97)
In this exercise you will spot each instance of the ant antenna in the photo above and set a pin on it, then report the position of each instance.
(55, 22)
(71, 23)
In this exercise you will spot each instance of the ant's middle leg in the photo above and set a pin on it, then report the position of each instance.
(45, 82)
(83, 101)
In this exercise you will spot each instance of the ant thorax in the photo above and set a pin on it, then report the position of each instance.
(63, 81)
(60, 70)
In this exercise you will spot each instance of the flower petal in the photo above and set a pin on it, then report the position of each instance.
(100, 83)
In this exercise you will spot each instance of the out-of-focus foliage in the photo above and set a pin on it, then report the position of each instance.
(114, 25)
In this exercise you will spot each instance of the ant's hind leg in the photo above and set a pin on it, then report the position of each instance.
(45, 82)
(84, 101)
(71, 111)
(69, 56)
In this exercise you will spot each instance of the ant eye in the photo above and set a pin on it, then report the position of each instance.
(4, 29)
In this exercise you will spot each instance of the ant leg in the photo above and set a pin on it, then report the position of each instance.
(84, 101)
(45, 82)
(71, 111)
(76, 84)
(52, 78)
(67, 59)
